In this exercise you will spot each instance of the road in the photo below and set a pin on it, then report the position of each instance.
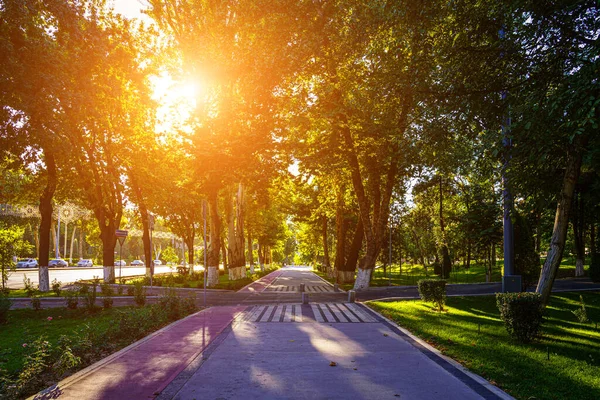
(72, 274)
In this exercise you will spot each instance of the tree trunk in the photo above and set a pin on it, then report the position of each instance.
(224, 256)
(593, 238)
(72, 242)
(80, 244)
(250, 253)
(261, 257)
(46, 220)
(341, 224)
(235, 219)
(36, 237)
(468, 262)
(346, 273)
(215, 240)
(446, 263)
(326, 260)
(109, 240)
(578, 233)
(561, 221)
(189, 242)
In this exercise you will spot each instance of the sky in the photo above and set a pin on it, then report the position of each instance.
(130, 8)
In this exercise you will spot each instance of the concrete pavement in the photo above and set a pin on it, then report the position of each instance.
(326, 350)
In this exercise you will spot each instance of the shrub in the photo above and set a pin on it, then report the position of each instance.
(130, 291)
(522, 314)
(581, 312)
(120, 290)
(66, 357)
(36, 304)
(139, 293)
(28, 285)
(89, 296)
(594, 270)
(186, 285)
(5, 305)
(433, 291)
(56, 287)
(107, 302)
(71, 299)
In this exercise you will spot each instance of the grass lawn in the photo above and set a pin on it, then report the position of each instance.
(23, 293)
(523, 370)
(26, 325)
(184, 281)
(410, 274)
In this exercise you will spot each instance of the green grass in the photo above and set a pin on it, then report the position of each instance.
(410, 274)
(26, 325)
(523, 370)
(23, 293)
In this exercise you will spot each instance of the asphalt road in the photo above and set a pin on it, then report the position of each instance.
(72, 274)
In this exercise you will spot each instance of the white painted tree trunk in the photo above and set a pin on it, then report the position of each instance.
(213, 276)
(579, 267)
(252, 269)
(72, 241)
(109, 274)
(362, 279)
(44, 279)
(345, 276)
(237, 273)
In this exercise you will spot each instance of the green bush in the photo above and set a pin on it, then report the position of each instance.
(89, 295)
(36, 303)
(594, 270)
(522, 314)
(433, 291)
(5, 305)
(130, 290)
(120, 290)
(71, 299)
(581, 312)
(28, 286)
(107, 292)
(56, 287)
(139, 293)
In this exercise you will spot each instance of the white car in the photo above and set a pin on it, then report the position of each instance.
(137, 263)
(85, 263)
(120, 263)
(27, 263)
(58, 263)
(157, 262)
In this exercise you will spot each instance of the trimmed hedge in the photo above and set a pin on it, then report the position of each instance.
(522, 314)
(433, 291)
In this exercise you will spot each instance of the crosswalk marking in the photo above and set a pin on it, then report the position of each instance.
(277, 315)
(323, 313)
(296, 289)
(360, 313)
(347, 312)
(317, 313)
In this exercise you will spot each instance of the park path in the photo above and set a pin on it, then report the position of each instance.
(145, 368)
(278, 351)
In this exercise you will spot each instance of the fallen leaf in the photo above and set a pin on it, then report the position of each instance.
(356, 369)
(292, 340)
(332, 364)
(385, 334)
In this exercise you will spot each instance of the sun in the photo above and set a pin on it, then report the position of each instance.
(177, 101)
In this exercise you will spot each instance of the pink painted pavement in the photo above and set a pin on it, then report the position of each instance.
(148, 366)
(261, 284)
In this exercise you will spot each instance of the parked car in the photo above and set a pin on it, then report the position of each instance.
(27, 263)
(157, 262)
(137, 263)
(87, 263)
(58, 263)
(120, 263)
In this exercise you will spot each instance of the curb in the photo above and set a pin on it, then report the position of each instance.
(499, 393)
(98, 364)
(329, 283)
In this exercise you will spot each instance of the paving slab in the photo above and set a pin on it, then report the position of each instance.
(142, 370)
(290, 360)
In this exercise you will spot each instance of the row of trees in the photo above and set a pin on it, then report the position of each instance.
(370, 100)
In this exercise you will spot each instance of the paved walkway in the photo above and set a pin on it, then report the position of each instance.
(145, 368)
(279, 351)
(316, 358)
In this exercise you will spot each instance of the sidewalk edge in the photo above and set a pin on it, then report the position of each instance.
(479, 379)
